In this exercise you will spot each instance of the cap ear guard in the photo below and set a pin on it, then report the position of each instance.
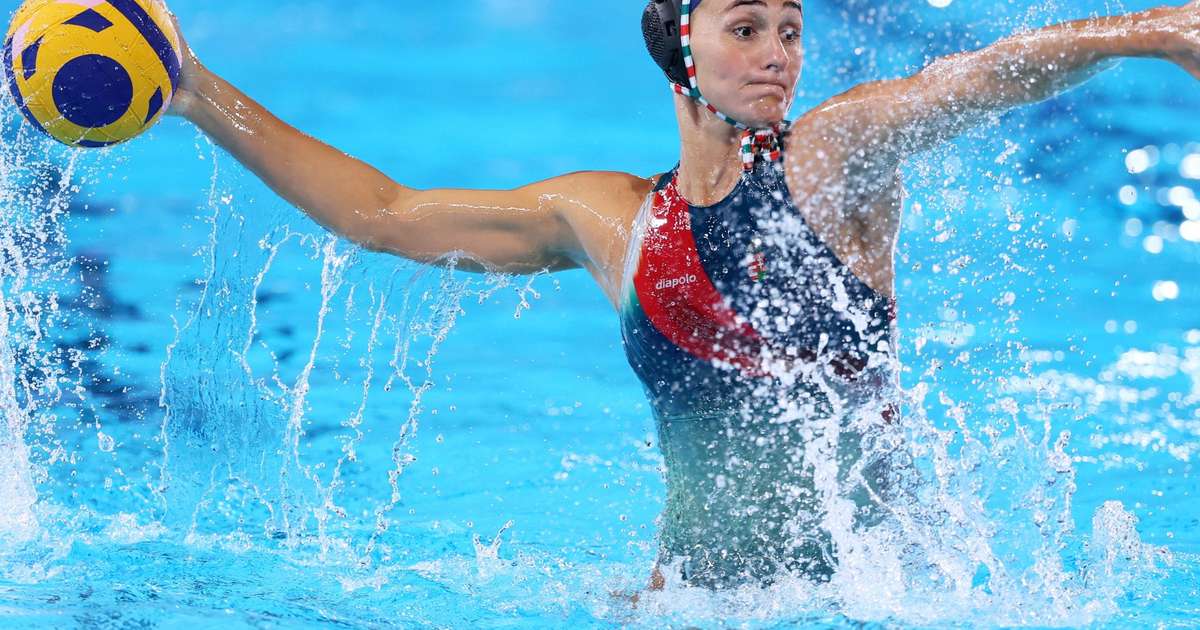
(660, 29)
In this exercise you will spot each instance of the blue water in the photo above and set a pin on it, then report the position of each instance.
(216, 415)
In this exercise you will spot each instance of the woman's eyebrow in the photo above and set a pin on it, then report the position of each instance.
(792, 4)
(743, 3)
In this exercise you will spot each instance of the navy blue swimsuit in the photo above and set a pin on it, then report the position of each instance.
(743, 326)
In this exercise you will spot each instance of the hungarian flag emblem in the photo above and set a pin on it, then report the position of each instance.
(758, 263)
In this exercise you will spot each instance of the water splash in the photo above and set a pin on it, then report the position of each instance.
(17, 521)
(242, 465)
(35, 193)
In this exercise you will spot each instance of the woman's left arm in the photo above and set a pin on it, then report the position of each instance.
(884, 122)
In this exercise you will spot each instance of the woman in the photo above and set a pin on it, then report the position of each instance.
(753, 281)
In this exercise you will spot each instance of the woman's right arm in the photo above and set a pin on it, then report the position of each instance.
(543, 226)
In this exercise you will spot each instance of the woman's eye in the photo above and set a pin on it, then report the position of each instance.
(791, 36)
(743, 32)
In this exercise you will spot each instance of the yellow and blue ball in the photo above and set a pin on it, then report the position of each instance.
(91, 73)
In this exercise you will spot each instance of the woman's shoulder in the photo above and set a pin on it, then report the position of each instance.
(610, 193)
(611, 182)
(601, 208)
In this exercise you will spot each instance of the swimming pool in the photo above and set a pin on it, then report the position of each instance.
(227, 419)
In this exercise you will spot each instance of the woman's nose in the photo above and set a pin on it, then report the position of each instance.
(776, 55)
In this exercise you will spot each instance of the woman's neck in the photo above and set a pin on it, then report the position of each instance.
(709, 163)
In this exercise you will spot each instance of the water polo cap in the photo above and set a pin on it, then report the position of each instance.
(666, 27)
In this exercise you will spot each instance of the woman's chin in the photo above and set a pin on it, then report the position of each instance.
(765, 114)
(759, 114)
(762, 121)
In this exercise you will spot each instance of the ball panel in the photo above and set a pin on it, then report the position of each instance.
(158, 11)
(10, 76)
(93, 91)
(29, 59)
(24, 13)
(90, 20)
(20, 36)
(49, 15)
(153, 106)
(133, 123)
(153, 35)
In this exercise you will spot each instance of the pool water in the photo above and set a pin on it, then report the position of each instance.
(217, 415)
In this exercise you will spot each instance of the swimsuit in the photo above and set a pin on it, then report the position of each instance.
(743, 326)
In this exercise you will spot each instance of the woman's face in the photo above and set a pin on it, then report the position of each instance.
(748, 56)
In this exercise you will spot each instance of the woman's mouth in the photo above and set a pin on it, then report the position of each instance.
(769, 88)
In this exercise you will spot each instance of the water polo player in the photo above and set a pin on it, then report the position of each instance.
(753, 280)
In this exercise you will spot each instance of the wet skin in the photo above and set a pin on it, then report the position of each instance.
(842, 162)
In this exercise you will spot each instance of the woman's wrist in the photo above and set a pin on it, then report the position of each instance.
(189, 96)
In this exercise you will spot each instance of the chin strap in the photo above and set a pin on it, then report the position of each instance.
(755, 142)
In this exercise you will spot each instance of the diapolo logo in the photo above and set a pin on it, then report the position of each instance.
(676, 282)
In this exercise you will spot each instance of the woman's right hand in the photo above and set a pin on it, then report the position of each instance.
(189, 76)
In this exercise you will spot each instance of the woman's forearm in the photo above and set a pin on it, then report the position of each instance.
(904, 116)
(1035, 65)
(342, 193)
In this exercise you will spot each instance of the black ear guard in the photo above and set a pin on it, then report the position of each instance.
(660, 29)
